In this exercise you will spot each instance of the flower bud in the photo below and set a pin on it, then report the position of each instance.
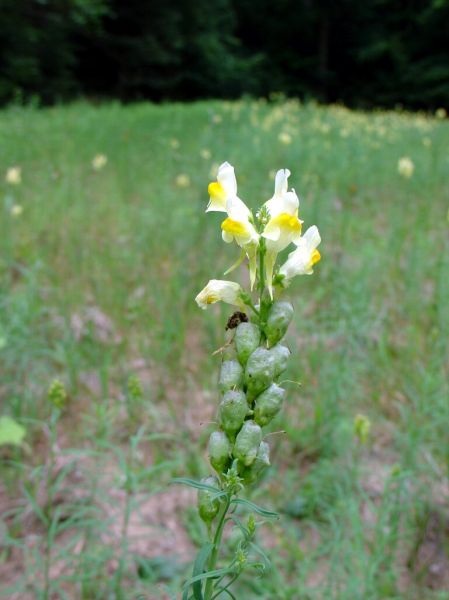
(247, 338)
(219, 451)
(279, 319)
(268, 404)
(262, 462)
(259, 372)
(232, 411)
(231, 376)
(208, 508)
(247, 443)
(281, 354)
(57, 394)
(362, 426)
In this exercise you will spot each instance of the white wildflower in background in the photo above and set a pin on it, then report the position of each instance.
(427, 142)
(99, 161)
(13, 175)
(16, 210)
(406, 167)
(441, 113)
(174, 143)
(217, 119)
(213, 170)
(205, 153)
(285, 138)
(182, 181)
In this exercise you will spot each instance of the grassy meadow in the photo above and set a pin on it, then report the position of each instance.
(99, 268)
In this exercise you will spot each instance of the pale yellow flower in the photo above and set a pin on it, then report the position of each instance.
(99, 161)
(182, 181)
(441, 113)
(285, 138)
(427, 142)
(174, 143)
(218, 290)
(13, 175)
(213, 170)
(406, 167)
(237, 226)
(217, 119)
(205, 153)
(16, 210)
(283, 226)
(301, 260)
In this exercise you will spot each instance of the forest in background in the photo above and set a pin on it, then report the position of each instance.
(365, 54)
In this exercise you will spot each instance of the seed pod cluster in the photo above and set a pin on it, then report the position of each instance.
(250, 397)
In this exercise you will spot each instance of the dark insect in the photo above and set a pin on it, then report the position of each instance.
(235, 320)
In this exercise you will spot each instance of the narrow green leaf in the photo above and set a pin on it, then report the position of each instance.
(208, 575)
(195, 484)
(198, 568)
(261, 511)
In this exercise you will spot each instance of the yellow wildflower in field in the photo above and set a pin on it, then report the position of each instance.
(182, 181)
(99, 161)
(205, 153)
(218, 290)
(301, 260)
(283, 226)
(441, 113)
(174, 143)
(16, 210)
(285, 138)
(217, 119)
(238, 226)
(406, 167)
(13, 175)
(427, 142)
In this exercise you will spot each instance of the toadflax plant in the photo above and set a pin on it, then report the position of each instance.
(253, 359)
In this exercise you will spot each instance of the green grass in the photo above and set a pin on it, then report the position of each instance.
(97, 280)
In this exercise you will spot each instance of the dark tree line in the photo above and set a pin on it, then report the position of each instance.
(365, 53)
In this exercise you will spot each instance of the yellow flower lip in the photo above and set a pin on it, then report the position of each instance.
(216, 191)
(316, 256)
(211, 298)
(287, 222)
(234, 227)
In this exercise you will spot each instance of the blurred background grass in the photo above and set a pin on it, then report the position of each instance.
(98, 275)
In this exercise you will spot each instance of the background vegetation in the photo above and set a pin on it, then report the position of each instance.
(99, 267)
(372, 53)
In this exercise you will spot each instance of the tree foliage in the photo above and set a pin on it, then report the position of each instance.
(377, 52)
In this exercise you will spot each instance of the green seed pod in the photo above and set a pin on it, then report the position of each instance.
(259, 372)
(268, 404)
(251, 474)
(279, 318)
(281, 354)
(231, 376)
(232, 411)
(247, 338)
(219, 451)
(208, 508)
(247, 443)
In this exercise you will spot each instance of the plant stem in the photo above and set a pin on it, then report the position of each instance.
(126, 517)
(49, 505)
(261, 269)
(208, 590)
